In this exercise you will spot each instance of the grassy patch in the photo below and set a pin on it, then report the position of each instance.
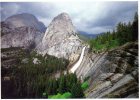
(60, 96)
(85, 85)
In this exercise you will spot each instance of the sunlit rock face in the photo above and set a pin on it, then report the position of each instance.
(61, 38)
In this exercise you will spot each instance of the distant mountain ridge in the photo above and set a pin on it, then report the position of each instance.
(25, 19)
(87, 36)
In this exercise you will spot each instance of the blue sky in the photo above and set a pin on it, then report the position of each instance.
(91, 17)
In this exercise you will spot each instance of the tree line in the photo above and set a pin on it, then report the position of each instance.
(124, 33)
(65, 84)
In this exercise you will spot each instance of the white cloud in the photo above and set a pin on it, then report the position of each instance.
(85, 13)
(9, 9)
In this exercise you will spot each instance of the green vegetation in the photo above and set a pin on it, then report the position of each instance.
(37, 80)
(34, 79)
(52, 64)
(65, 95)
(66, 87)
(124, 33)
(77, 91)
(85, 85)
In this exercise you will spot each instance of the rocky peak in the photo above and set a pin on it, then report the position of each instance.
(61, 26)
(60, 38)
(62, 16)
(27, 20)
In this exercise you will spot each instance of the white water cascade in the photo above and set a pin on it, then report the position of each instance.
(73, 69)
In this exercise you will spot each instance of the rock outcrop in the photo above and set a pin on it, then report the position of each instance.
(112, 74)
(11, 57)
(61, 39)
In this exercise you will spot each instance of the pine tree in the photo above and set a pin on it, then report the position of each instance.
(135, 27)
(62, 85)
(113, 35)
(77, 91)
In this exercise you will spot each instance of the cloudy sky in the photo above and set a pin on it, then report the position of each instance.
(91, 17)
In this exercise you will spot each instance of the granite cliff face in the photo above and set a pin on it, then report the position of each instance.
(112, 74)
(60, 39)
(21, 37)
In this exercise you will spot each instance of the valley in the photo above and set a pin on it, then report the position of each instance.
(58, 64)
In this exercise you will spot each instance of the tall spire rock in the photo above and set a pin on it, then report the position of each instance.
(60, 38)
(60, 28)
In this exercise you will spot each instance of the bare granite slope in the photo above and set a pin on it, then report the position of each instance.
(61, 39)
(112, 74)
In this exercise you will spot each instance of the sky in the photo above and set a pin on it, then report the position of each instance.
(91, 17)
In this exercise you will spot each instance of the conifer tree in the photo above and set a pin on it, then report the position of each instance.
(62, 84)
(77, 91)
(135, 27)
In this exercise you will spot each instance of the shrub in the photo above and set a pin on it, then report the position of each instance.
(61, 96)
(85, 85)
(67, 95)
(44, 95)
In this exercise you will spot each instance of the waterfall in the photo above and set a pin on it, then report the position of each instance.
(73, 69)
